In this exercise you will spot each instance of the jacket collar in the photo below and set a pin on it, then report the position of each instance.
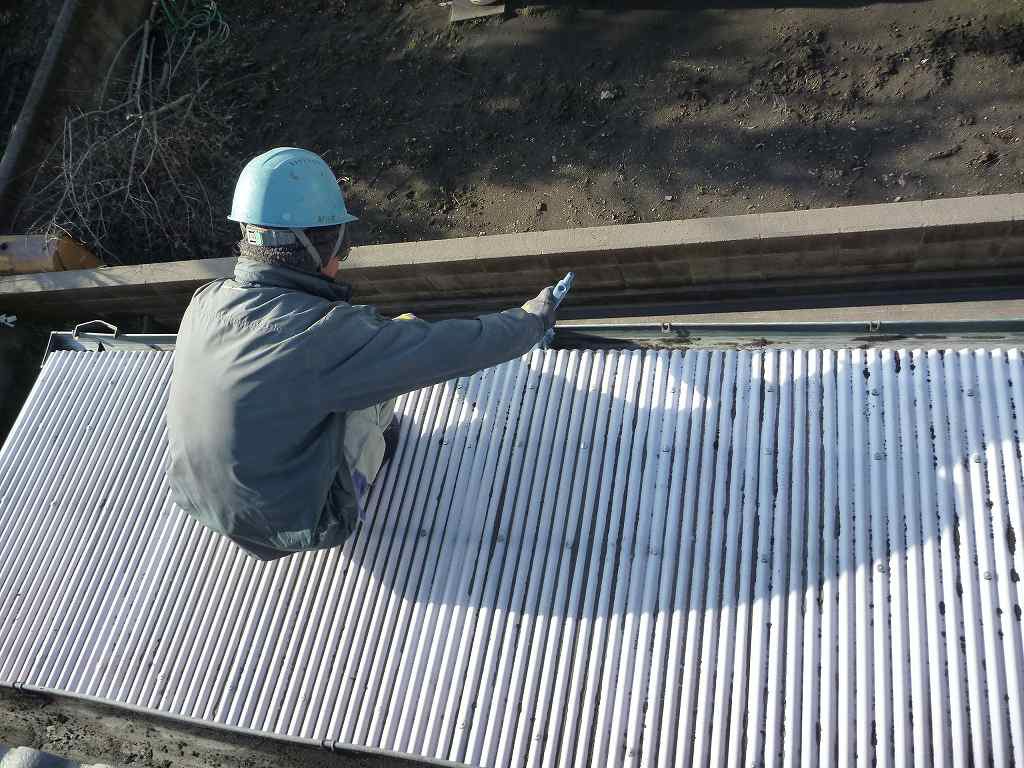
(260, 273)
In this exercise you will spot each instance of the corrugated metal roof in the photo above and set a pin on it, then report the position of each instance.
(585, 558)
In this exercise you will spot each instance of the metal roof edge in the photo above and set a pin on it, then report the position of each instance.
(669, 334)
(99, 342)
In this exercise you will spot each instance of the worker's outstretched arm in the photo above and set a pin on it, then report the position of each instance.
(393, 357)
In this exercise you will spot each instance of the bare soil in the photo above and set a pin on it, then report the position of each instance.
(89, 733)
(584, 113)
(581, 115)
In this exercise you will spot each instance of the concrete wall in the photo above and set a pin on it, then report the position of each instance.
(944, 245)
(915, 244)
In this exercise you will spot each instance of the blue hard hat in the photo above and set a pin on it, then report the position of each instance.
(288, 188)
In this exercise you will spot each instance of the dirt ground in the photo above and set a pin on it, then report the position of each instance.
(580, 115)
(90, 733)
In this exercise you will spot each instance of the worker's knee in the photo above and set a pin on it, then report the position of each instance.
(364, 443)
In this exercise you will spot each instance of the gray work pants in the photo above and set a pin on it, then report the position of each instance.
(363, 452)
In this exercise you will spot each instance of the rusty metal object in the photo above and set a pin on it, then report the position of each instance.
(26, 254)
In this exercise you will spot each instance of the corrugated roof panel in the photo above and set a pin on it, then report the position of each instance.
(577, 558)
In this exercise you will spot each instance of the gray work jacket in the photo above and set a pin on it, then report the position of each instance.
(266, 366)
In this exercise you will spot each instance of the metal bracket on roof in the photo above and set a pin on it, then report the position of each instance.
(874, 326)
(675, 331)
(82, 340)
(73, 340)
(8, 320)
(77, 329)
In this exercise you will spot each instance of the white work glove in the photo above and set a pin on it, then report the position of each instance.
(544, 306)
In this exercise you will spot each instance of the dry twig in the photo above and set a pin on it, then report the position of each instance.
(126, 178)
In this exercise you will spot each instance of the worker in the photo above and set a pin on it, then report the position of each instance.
(282, 396)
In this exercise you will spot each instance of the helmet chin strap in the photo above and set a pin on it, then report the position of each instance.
(302, 237)
(318, 263)
(339, 241)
